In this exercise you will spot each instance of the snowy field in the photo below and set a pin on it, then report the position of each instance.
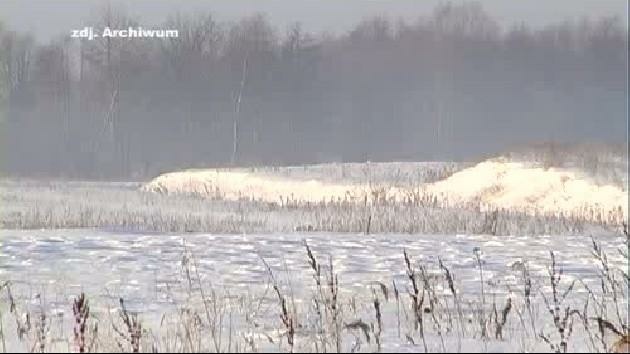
(500, 255)
(496, 196)
(163, 277)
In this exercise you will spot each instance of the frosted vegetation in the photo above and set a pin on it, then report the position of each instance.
(397, 197)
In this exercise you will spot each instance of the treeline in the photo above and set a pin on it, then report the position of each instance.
(451, 85)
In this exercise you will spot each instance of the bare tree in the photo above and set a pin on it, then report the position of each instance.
(237, 113)
(449, 85)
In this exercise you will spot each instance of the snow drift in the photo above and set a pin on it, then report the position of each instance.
(516, 186)
(489, 185)
(238, 185)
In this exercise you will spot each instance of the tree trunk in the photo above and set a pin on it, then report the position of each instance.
(237, 109)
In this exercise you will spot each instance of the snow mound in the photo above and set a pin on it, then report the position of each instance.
(489, 185)
(517, 186)
(237, 185)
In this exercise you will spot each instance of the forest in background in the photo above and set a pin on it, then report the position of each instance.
(451, 85)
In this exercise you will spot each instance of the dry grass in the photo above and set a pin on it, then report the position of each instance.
(35, 205)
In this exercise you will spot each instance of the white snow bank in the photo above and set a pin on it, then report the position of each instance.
(488, 185)
(236, 185)
(513, 185)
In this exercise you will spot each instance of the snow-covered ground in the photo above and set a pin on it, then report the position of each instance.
(138, 265)
(488, 185)
(47, 269)
(316, 183)
(188, 250)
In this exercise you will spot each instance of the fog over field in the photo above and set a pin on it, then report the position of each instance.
(450, 83)
(314, 176)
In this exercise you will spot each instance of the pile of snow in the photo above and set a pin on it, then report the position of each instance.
(351, 182)
(493, 184)
(517, 186)
(238, 185)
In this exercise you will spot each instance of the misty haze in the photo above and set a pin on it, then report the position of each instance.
(286, 176)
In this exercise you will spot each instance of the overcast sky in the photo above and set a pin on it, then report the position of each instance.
(49, 18)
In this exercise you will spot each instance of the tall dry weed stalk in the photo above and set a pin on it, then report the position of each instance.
(560, 311)
(417, 299)
(129, 338)
(286, 316)
(81, 312)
